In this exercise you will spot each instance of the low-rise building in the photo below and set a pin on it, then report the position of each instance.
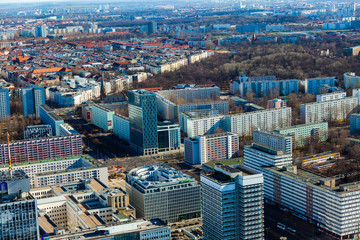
(140, 229)
(276, 103)
(84, 207)
(318, 158)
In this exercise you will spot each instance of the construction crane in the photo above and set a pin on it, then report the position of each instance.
(8, 142)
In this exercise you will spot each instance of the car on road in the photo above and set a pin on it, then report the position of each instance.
(284, 209)
(291, 230)
(281, 226)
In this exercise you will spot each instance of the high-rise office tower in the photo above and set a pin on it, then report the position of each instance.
(32, 98)
(40, 31)
(232, 203)
(143, 122)
(152, 27)
(4, 103)
(18, 212)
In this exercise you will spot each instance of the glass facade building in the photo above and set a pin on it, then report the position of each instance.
(143, 121)
(32, 98)
(168, 136)
(4, 103)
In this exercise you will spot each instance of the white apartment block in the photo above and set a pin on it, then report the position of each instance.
(330, 96)
(332, 206)
(62, 170)
(245, 123)
(258, 155)
(184, 116)
(274, 140)
(328, 111)
(206, 125)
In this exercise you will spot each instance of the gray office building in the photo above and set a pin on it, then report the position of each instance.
(159, 191)
(232, 203)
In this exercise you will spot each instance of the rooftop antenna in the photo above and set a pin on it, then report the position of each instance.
(8, 142)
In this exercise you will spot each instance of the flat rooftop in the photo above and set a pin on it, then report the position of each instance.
(45, 126)
(303, 125)
(229, 162)
(260, 111)
(54, 116)
(15, 175)
(47, 108)
(225, 174)
(87, 158)
(216, 135)
(313, 179)
(102, 108)
(273, 133)
(335, 100)
(158, 176)
(101, 232)
(268, 149)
